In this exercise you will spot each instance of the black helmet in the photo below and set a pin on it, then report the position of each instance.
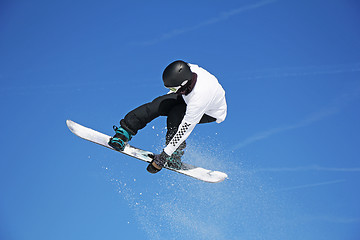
(177, 74)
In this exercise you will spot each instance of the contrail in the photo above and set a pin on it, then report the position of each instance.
(221, 17)
(336, 107)
(307, 168)
(333, 219)
(310, 185)
(305, 122)
(277, 73)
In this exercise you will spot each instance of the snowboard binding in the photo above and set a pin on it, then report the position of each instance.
(163, 160)
(174, 161)
(120, 139)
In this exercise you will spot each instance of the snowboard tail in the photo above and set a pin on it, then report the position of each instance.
(146, 156)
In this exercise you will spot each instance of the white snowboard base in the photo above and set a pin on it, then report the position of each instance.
(103, 139)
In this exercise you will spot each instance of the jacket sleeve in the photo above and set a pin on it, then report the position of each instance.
(194, 112)
(181, 135)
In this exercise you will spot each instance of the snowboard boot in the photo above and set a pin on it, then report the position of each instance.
(120, 139)
(174, 161)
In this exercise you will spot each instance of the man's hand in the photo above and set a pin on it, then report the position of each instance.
(158, 162)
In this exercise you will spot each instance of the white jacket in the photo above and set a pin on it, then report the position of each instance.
(207, 97)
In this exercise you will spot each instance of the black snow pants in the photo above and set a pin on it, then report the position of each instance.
(171, 105)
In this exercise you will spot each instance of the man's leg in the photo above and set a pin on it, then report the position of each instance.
(174, 118)
(141, 116)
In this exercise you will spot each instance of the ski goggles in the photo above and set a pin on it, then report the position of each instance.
(175, 89)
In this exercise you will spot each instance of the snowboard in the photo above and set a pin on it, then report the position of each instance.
(146, 156)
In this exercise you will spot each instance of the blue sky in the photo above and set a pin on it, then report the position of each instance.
(290, 143)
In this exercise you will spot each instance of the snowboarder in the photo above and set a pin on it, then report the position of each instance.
(195, 97)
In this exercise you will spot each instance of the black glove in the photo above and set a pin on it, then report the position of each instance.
(159, 160)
